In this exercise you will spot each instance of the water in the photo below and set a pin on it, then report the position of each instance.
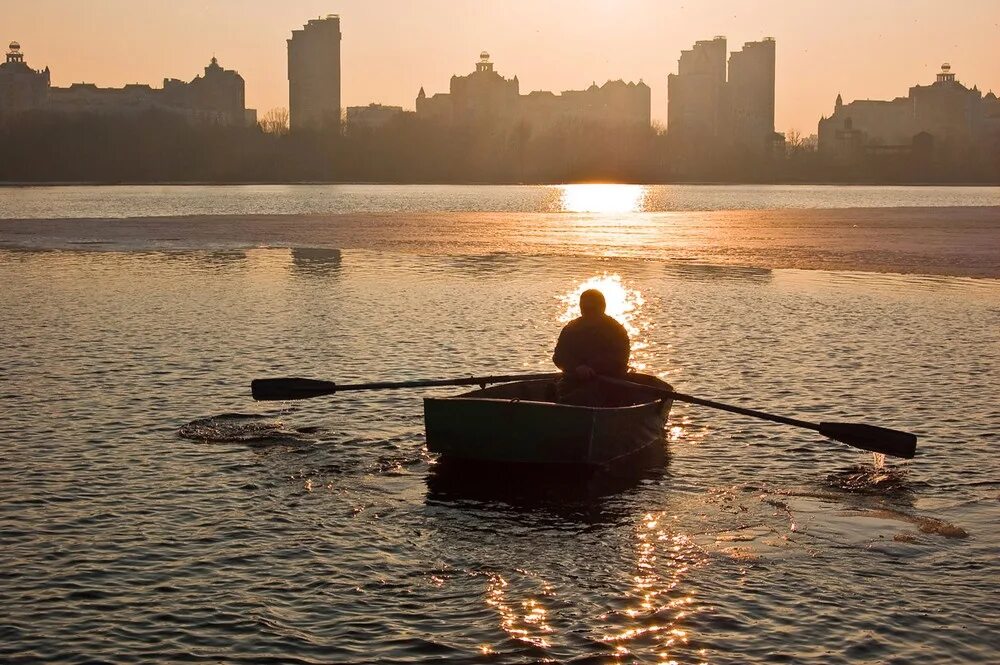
(953, 231)
(151, 512)
(177, 200)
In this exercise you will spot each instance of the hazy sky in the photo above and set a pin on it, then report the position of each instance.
(861, 48)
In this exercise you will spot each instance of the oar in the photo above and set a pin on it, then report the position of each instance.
(291, 388)
(883, 440)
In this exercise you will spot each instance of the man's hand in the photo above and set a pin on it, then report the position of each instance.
(585, 372)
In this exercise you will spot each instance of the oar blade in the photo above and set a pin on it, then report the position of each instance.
(279, 390)
(883, 440)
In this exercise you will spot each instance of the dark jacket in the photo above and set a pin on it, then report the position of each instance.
(597, 341)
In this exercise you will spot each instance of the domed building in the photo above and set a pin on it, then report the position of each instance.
(486, 97)
(21, 87)
(215, 97)
(942, 116)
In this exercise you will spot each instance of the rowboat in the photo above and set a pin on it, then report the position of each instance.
(521, 423)
(519, 420)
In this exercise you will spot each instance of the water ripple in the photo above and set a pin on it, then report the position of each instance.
(134, 529)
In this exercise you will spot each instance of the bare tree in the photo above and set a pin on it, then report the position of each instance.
(796, 144)
(275, 122)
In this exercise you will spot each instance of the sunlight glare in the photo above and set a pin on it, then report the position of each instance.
(623, 304)
(602, 198)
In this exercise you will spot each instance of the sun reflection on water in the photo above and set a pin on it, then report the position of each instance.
(624, 304)
(658, 602)
(602, 198)
(529, 625)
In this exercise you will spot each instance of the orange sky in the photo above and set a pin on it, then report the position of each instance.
(862, 48)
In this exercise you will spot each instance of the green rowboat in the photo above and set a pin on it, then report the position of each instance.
(521, 423)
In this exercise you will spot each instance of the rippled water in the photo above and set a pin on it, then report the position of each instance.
(151, 512)
(173, 200)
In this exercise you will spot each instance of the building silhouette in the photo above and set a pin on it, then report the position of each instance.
(21, 87)
(372, 116)
(486, 97)
(314, 74)
(751, 97)
(943, 117)
(217, 96)
(696, 94)
(712, 111)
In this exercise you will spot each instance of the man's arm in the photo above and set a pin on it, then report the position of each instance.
(567, 355)
(561, 355)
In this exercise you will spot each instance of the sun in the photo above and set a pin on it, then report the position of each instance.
(624, 304)
(602, 198)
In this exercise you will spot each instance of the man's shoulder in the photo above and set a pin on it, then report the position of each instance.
(605, 322)
(612, 322)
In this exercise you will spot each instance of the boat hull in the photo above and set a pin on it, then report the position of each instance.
(502, 424)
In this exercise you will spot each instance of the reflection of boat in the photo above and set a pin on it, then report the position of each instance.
(521, 423)
(567, 490)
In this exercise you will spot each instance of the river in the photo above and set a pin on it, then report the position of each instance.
(150, 511)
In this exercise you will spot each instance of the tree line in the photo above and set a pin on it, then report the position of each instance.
(163, 147)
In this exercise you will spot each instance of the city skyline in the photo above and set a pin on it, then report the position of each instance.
(386, 56)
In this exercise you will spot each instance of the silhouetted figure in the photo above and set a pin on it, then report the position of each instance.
(593, 344)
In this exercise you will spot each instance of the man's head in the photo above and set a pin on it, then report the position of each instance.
(592, 303)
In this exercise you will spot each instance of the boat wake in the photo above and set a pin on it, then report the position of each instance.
(249, 429)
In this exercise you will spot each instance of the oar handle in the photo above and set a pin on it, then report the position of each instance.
(290, 388)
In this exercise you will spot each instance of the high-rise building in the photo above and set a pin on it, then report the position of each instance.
(695, 93)
(751, 97)
(709, 111)
(314, 74)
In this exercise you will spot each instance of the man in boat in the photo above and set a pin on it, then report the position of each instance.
(590, 346)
